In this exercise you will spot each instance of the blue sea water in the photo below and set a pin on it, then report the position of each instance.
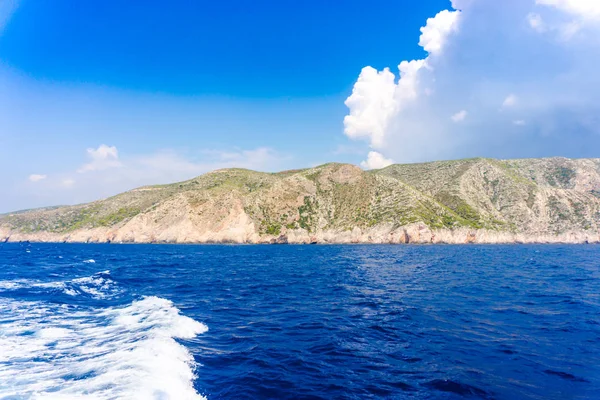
(301, 322)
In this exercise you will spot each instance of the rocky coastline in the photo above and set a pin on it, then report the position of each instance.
(554, 200)
(413, 234)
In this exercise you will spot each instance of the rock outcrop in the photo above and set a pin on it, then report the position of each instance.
(554, 200)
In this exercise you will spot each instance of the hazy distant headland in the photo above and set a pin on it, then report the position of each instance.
(480, 200)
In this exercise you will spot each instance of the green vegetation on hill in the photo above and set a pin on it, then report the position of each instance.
(552, 195)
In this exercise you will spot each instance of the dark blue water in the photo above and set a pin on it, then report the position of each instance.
(302, 322)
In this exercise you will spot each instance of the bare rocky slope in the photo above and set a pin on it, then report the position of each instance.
(464, 201)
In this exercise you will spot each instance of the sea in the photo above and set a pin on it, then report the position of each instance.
(108, 321)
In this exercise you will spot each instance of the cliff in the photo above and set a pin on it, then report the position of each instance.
(464, 201)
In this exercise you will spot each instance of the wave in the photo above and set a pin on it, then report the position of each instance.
(97, 286)
(52, 351)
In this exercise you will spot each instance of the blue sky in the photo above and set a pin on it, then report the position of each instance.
(100, 98)
(255, 50)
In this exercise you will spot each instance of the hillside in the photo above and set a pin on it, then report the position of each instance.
(474, 200)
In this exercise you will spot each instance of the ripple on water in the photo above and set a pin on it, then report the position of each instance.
(322, 322)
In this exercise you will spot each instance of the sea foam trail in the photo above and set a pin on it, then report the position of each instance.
(51, 351)
(97, 286)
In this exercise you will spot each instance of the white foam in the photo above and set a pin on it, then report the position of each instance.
(53, 333)
(63, 352)
(11, 285)
(97, 286)
(90, 261)
(27, 283)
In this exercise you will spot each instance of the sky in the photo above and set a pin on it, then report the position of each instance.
(98, 98)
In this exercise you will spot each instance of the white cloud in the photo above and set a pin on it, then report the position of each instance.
(376, 160)
(104, 157)
(587, 9)
(372, 105)
(437, 29)
(459, 116)
(489, 50)
(37, 177)
(574, 17)
(509, 101)
(377, 98)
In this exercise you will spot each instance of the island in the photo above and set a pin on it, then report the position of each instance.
(479, 200)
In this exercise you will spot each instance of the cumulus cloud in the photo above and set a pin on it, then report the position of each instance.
(37, 177)
(377, 98)
(437, 29)
(104, 157)
(506, 63)
(376, 160)
(371, 105)
(459, 116)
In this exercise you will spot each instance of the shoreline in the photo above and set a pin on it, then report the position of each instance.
(310, 244)
(325, 238)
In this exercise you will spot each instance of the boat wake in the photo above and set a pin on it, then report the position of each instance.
(60, 351)
(98, 286)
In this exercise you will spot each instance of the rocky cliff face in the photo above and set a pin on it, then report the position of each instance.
(462, 201)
